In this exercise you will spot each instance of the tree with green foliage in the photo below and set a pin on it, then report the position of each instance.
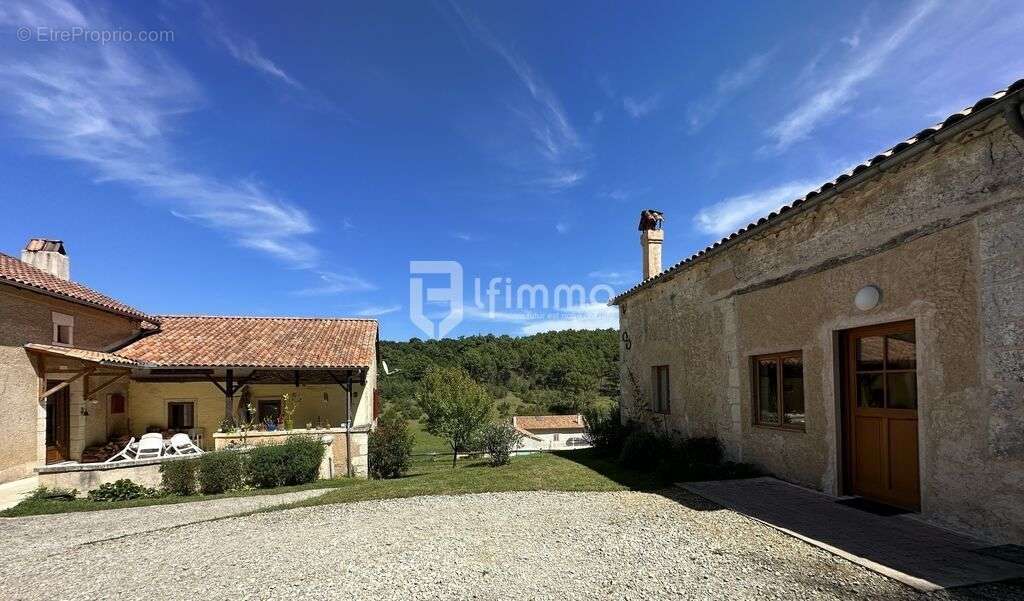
(456, 407)
(552, 372)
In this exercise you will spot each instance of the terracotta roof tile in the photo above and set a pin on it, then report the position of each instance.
(82, 354)
(870, 165)
(538, 423)
(18, 273)
(279, 342)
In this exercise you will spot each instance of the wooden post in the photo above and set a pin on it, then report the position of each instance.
(229, 395)
(348, 428)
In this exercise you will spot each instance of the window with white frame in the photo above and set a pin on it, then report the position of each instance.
(63, 329)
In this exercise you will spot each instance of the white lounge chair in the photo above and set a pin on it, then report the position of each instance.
(150, 448)
(181, 444)
(152, 435)
(128, 453)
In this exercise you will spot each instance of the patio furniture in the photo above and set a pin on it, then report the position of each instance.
(150, 448)
(149, 435)
(128, 453)
(181, 444)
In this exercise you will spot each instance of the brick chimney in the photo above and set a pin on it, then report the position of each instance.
(48, 255)
(651, 237)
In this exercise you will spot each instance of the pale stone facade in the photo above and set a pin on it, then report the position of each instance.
(941, 234)
(26, 317)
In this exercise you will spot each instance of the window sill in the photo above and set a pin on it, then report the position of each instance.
(798, 429)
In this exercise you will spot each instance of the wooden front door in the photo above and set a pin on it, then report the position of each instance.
(58, 423)
(880, 381)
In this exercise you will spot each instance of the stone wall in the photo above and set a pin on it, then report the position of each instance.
(942, 236)
(26, 317)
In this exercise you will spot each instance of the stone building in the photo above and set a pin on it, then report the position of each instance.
(79, 369)
(867, 339)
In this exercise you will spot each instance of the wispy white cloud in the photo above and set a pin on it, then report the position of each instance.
(834, 95)
(730, 214)
(332, 283)
(562, 227)
(378, 310)
(641, 107)
(244, 49)
(598, 117)
(464, 236)
(591, 316)
(554, 139)
(611, 277)
(115, 108)
(727, 85)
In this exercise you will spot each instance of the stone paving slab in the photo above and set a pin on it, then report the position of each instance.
(920, 555)
(12, 493)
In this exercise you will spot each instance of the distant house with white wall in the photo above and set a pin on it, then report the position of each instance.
(550, 432)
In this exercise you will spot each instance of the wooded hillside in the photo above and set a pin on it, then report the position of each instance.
(553, 372)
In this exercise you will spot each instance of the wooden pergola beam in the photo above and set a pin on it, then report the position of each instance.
(65, 383)
(91, 393)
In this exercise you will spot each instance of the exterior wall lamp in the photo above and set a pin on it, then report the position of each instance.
(867, 298)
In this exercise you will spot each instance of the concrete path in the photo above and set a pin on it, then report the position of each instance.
(11, 493)
(925, 557)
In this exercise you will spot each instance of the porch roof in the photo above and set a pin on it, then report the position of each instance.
(107, 359)
(256, 342)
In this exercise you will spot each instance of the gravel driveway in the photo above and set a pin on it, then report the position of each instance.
(531, 545)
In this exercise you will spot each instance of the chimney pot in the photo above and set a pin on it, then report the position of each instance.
(49, 256)
(651, 237)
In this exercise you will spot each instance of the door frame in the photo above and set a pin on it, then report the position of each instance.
(62, 439)
(844, 358)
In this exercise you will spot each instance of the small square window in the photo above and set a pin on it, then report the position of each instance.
(778, 390)
(180, 415)
(63, 329)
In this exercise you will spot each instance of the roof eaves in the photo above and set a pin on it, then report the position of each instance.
(981, 111)
(80, 301)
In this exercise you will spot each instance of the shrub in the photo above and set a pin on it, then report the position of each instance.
(219, 471)
(178, 477)
(390, 446)
(265, 466)
(297, 461)
(303, 455)
(604, 429)
(121, 490)
(499, 441)
(52, 494)
(644, 451)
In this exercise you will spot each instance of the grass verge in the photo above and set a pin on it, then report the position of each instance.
(41, 507)
(580, 470)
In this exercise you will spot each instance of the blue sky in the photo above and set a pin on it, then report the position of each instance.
(276, 161)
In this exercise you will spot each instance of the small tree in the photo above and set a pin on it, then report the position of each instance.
(390, 446)
(456, 407)
(500, 440)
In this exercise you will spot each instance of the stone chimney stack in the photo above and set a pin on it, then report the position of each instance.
(48, 255)
(651, 237)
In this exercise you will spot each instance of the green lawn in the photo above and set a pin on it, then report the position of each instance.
(581, 470)
(425, 442)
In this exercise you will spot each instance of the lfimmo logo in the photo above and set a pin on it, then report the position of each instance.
(450, 294)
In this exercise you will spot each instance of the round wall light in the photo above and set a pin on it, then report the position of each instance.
(867, 298)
